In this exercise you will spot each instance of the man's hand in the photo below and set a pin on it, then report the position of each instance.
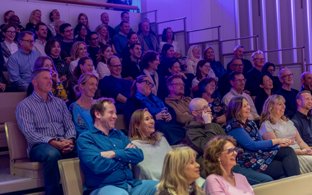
(64, 145)
(108, 154)
(130, 145)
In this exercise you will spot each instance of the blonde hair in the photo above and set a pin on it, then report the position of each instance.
(173, 178)
(268, 107)
(136, 129)
(75, 48)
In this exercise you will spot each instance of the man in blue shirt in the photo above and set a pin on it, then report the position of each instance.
(21, 63)
(48, 128)
(106, 155)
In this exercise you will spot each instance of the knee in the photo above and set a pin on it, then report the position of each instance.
(53, 154)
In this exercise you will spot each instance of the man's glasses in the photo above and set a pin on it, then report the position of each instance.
(147, 82)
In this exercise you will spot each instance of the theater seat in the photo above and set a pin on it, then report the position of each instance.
(20, 165)
(300, 185)
(71, 176)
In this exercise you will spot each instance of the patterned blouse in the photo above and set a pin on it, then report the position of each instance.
(257, 153)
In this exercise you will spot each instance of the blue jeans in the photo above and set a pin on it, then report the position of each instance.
(48, 156)
(148, 187)
(253, 177)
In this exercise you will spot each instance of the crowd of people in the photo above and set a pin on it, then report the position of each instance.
(188, 121)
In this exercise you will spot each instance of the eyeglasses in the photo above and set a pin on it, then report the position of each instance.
(232, 150)
(94, 38)
(12, 32)
(261, 59)
(147, 82)
(28, 41)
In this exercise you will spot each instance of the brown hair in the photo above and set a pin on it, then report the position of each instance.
(135, 128)
(98, 106)
(212, 153)
(234, 108)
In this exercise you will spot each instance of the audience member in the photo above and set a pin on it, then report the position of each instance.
(8, 46)
(239, 54)
(103, 33)
(149, 65)
(120, 39)
(82, 19)
(302, 118)
(266, 87)
(80, 109)
(207, 90)
(6, 16)
(114, 86)
(105, 20)
(276, 125)
(51, 137)
(287, 79)
(84, 65)
(217, 67)
(106, 165)
(179, 173)
(272, 157)
(42, 36)
(306, 81)
(168, 37)
(201, 129)
(53, 50)
(147, 37)
(79, 50)
(166, 57)
(143, 134)
(220, 158)
(3, 81)
(176, 99)
(93, 47)
(193, 57)
(253, 77)
(131, 64)
(21, 63)
(14, 20)
(203, 70)
(67, 40)
(269, 68)
(81, 32)
(57, 86)
(125, 17)
(238, 81)
(55, 19)
(105, 53)
(34, 19)
(142, 97)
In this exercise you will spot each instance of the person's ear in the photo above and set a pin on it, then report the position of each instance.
(97, 114)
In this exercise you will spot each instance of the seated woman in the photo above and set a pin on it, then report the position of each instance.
(206, 90)
(203, 70)
(78, 50)
(271, 157)
(166, 57)
(269, 68)
(266, 86)
(85, 65)
(103, 34)
(168, 37)
(216, 66)
(80, 109)
(193, 57)
(276, 125)
(142, 97)
(57, 86)
(152, 143)
(105, 53)
(180, 170)
(82, 19)
(34, 19)
(8, 46)
(220, 158)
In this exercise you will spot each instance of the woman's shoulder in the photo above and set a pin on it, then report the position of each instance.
(232, 124)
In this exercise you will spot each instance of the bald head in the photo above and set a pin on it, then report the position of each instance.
(197, 104)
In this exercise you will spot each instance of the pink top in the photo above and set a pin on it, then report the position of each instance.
(217, 185)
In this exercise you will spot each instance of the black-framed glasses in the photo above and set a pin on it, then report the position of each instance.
(147, 82)
(28, 41)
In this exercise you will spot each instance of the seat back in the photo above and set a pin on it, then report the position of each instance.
(8, 102)
(16, 142)
(288, 186)
(71, 176)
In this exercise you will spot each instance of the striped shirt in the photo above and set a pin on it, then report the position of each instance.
(40, 120)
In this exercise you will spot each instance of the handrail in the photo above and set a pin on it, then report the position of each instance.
(284, 49)
(240, 38)
(107, 5)
(202, 29)
(166, 21)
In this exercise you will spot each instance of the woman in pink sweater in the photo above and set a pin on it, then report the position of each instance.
(220, 158)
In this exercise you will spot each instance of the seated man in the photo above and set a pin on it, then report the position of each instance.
(238, 81)
(287, 79)
(306, 81)
(302, 118)
(238, 52)
(177, 101)
(201, 129)
(114, 86)
(106, 154)
(120, 39)
(21, 63)
(48, 128)
(131, 64)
